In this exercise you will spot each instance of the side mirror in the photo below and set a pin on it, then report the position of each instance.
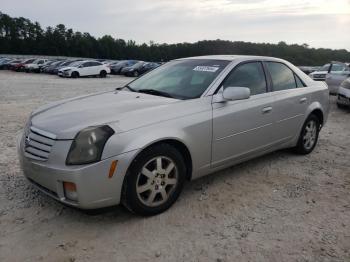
(232, 93)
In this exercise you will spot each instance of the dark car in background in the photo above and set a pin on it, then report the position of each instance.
(66, 63)
(48, 69)
(116, 68)
(46, 64)
(139, 68)
(5, 63)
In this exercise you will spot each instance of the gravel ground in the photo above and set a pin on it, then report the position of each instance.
(280, 207)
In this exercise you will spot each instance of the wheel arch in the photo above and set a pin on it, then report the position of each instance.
(177, 144)
(316, 109)
(75, 71)
(319, 114)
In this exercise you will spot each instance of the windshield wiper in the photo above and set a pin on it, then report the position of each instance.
(126, 86)
(155, 92)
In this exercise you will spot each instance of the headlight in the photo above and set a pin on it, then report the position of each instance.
(88, 145)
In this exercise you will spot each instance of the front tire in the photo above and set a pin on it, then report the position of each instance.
(154, 180)
(75, 74)
(136, 74)
(103, 74)
(309, 135)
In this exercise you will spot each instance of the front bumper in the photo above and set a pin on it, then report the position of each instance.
(343, 96)
(94, 188)
(64, 73)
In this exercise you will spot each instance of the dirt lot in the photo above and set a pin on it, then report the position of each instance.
(280, 207)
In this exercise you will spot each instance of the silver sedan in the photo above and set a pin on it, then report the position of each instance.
(188, 118)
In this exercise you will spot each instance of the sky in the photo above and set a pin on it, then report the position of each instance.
(319, 23)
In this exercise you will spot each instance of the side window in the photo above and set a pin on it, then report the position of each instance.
(249, 75)
(298, 81)
(337, 68)
(95, 63)
(282, 76)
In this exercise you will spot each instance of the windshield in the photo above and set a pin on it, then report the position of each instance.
(139, 64)
(184, 79)
(68, 63)
(77, 63)
(325, 67)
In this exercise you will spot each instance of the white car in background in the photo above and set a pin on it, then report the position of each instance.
(343, 99)
(338, 73)
(85, 68)
(34, 66)
(333, 74)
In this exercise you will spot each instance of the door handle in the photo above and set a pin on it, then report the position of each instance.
(267, 109)
(302, 100)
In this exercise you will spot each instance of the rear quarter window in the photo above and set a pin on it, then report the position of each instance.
(282, 76)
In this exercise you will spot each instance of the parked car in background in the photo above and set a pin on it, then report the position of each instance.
(132, 70)
(20, 66)
(320, 74)
(5, 63)
(332, 69)
(48, 69)
(343, 99)
(46, 64)
(336, 75)
(9, 65)
(116, 68)
(34, 66)
(186, 119)
(139, 68)
(65, 64)
(309, 69)
(85, 68)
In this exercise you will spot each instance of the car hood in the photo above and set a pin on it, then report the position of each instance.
(66, 118)
(66, 68)
(319, 73)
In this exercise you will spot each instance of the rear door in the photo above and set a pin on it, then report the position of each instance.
(95, 68)
(292, 98)
(242, 128)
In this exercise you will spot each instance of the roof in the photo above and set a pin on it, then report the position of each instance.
(233, 57)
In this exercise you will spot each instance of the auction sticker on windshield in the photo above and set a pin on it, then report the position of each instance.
(212, 69)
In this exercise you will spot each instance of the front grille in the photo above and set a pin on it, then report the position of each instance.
(38, 144)
(320, 76)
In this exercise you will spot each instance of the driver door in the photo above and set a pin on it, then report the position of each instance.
(84, 69)
(243, 128)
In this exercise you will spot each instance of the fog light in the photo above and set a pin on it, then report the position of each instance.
(70, 191)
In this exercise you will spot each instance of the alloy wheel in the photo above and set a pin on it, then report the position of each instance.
(310, 134)
(156, 181)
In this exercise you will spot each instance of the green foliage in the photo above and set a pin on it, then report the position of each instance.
(21, 36)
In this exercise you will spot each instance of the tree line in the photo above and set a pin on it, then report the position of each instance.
(22, 36)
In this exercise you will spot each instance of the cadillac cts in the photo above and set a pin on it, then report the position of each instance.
(137, 145)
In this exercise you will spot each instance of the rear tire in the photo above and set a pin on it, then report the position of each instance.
(103, 74)
(136, 74)
(308, 136)
(154, 180)
(75, 74)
